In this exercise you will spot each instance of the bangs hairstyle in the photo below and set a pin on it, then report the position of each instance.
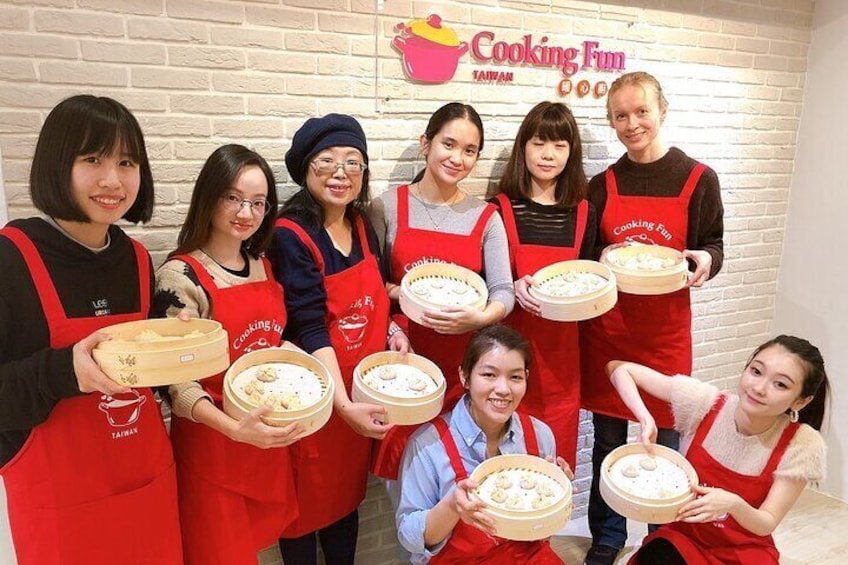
(86, 125)
(490, 337)
(549, 121)
(216, 178)
(446, 114)
(639, 78)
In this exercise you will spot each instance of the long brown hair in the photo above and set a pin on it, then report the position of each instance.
(217, 176)
(443, 116)
(550, 121)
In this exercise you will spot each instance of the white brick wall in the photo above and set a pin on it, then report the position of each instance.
(202, 73)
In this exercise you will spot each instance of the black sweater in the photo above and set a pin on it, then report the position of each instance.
(666, 177)
(33, 377)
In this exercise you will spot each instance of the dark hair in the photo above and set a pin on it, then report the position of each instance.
(490, 337)
(550, 121)
(86, 125)
(815, 384)
(217, 176)
(303, 205)
(443, 116)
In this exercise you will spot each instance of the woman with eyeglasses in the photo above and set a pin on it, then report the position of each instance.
(326, 256)
(236, 492)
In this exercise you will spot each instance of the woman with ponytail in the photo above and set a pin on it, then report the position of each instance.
(756, 449)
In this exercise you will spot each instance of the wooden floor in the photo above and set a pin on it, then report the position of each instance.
(814, 531)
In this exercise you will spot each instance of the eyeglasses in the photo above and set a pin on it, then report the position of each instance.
(234, 203)
(327, 166)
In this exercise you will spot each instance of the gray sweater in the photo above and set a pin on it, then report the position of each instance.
(459, 218)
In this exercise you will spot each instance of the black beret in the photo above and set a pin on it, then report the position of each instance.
(317, 134)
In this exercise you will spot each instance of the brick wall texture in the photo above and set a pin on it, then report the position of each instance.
(199, 74)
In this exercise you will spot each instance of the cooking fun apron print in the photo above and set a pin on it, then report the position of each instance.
(553, 390)
(651, 330)
(252, 487)
(95, 483)
(331, 465)
(467, 544)
(412, 247)
(724, 541)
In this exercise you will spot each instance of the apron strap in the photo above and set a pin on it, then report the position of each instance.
(359, 226)
(480, 226)
(203, 276)
(780, 448)
(530, 441)
(53, 310)
(707, 423)
(403, 208)
(451, 449)
(511, 227)
(580, 228)
(612, 184)
(305, 239)
(692, 182)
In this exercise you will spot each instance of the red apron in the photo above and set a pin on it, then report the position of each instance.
(467, 544)
(331, 465)
(413, 247)
(724, 541)
(250, 488)
(95, 483)
(553, 394)
(652, 330)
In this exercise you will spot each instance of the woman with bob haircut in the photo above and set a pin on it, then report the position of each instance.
(326, 255)
(541, 198)
(74, 460)
(235, 482)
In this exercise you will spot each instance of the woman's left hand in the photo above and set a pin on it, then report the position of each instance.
(562, 464)
(703, 263)
(400, 343)
(710, 505)
(454, 320)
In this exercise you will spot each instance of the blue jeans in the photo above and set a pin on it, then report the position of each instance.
(608, 527)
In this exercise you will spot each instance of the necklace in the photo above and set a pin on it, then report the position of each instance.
(448, 207)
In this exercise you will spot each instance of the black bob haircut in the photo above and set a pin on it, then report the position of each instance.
(86, 125)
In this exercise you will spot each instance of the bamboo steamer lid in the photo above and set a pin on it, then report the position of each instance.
(643, 508)
(403, 411)
(312, 417)
(189, 351)
(527, 525)
(575, 308)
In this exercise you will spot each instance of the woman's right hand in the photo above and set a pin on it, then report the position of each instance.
(522, 294)
(648, 435)
(365, 419)
(252, 430)
(89, 376)
(470, 510)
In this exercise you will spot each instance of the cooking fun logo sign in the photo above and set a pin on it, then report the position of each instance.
(431, 52)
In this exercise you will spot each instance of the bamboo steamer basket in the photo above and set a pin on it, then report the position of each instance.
(400, 410)
(643, 509)
(575, 308)
(312, 418)
(414, 306)
(527, 525)
(159, 363)
(663, 281)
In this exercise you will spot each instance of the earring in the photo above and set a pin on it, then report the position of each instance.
(793, 415)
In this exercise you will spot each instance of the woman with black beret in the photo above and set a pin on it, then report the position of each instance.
(326, 256)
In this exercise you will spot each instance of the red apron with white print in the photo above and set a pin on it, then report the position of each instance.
(95, 483)
(652, 330)
(235, 499)
(553, 390)
(413, 247)
(467, 544)
(331, 465)
(724, 541)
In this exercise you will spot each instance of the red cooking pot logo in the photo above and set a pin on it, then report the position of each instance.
(430, 50)
(122, 409)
